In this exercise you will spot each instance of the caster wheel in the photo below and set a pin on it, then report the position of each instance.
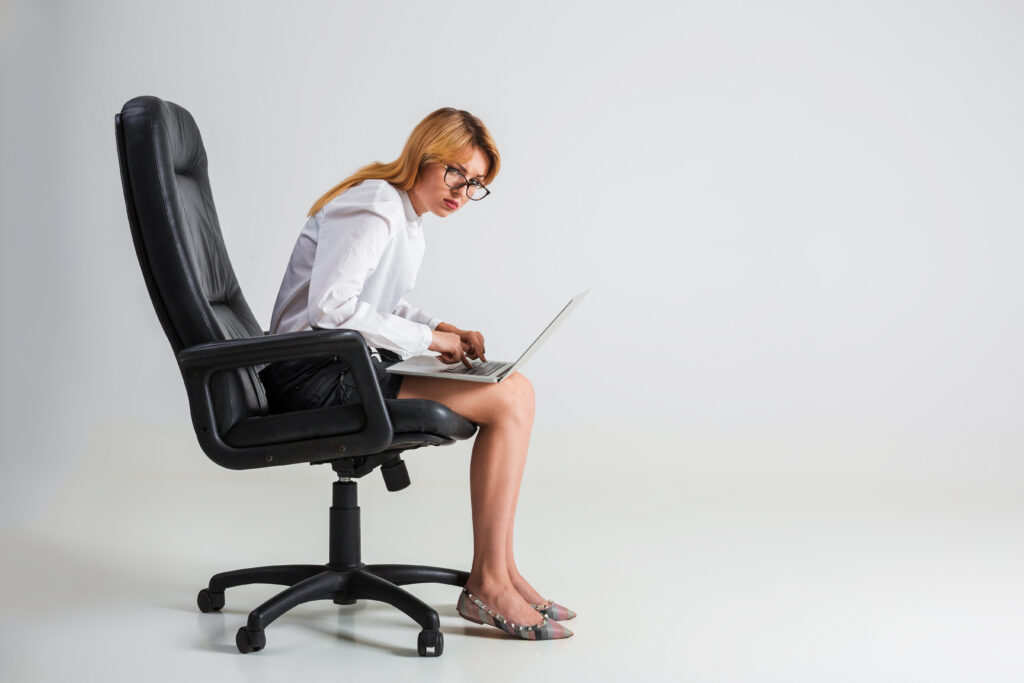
(209, 601)
(249, 640)
(430, 639)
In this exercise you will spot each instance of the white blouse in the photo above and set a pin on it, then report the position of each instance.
(353, 264)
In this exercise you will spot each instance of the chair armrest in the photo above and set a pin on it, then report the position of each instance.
(236, 353)
(200, 363)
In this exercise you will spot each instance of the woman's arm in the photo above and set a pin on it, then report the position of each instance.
(350, 244)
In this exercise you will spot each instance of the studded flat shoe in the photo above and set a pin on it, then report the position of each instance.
(554, 611)
(472, 609)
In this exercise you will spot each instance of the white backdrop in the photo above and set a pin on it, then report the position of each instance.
(801, 224)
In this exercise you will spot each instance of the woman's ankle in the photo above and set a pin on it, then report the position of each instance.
(488, 583)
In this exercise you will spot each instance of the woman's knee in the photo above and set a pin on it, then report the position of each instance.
(511, 400)
(517, 398)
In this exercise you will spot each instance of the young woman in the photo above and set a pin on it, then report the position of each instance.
(354, 261)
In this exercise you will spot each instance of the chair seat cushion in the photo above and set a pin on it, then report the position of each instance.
(408, 416)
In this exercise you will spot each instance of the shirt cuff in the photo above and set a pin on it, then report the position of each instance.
(426, 339)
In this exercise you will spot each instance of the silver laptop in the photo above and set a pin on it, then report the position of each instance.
(489, 371)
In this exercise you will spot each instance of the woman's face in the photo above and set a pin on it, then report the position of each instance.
(430, 192)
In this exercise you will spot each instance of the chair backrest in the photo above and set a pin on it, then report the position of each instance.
(179, 244)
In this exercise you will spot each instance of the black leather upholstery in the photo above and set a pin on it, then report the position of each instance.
(177, 227)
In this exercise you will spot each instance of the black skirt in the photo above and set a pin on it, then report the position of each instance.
(322, 382)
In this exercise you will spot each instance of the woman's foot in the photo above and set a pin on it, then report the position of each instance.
(506, 601)
(537, 602)
(472, 608)
(524, 589)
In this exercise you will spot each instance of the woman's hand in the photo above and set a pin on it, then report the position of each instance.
(449, 345)
(472, 342)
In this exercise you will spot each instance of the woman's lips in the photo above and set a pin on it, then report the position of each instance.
(450, 204)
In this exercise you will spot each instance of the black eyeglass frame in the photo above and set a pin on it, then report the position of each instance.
(465, 182)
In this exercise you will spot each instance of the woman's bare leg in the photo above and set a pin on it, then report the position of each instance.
(522, 585)
(504, 413)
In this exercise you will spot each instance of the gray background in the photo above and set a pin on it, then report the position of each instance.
(800, 224)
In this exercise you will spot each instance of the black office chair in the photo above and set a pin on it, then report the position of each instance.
(220, 349)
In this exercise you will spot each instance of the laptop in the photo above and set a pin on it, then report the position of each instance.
(490, 371)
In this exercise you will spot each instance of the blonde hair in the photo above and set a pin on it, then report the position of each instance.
(442, 137)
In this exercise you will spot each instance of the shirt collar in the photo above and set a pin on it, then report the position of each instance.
(410, 213)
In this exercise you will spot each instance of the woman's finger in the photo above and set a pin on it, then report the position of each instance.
(478, 345)
(473, 344)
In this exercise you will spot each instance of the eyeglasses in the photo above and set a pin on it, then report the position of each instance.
(455, 179)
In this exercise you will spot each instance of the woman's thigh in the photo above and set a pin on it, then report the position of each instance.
(475, 401)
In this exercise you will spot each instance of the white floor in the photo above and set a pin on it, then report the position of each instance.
(713, 580)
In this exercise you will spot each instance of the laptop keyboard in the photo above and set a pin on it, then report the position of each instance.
(487, 368)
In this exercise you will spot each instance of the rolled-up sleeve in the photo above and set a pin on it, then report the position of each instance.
(410, 312)
(350, 244)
